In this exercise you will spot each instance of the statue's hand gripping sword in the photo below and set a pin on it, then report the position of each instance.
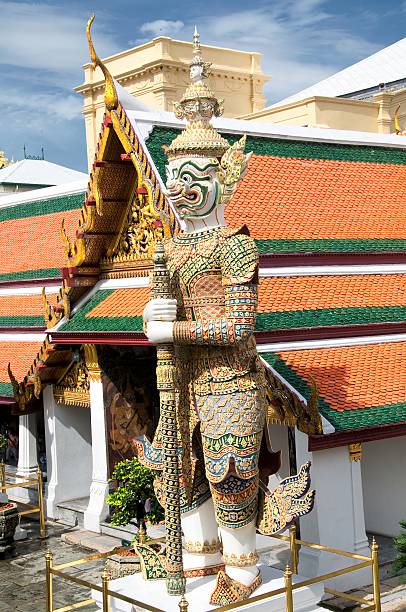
(165, 373)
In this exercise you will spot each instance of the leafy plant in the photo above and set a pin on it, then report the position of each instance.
(134, 496)
(400, 545)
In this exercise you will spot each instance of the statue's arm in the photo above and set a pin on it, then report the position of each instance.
(239, 266)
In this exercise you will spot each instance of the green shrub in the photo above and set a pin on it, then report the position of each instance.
(400, 545)
(135, 491)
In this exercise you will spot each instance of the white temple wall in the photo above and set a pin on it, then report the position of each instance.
(69, 452)
(384, 479)
(337, 519)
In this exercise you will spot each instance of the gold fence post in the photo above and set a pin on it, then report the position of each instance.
(375, 576)
(294, 561)
(3, 477)
(183, 605)
(288, 586)
(42, 528)
(48, 570)
(105, 591)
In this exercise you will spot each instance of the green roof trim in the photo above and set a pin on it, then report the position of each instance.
(22, 321)
(39, 208)
(81, 322)
(31, 274)
(329, 316)
(348, 419)
(6, 389)
(266, 146)
(332, 245)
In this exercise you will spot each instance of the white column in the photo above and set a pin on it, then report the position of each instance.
(337, 519)
(68, 447)
(27, 458)
(97, 509)
(27, 446)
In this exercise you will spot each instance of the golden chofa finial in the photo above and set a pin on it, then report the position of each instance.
(110, 93)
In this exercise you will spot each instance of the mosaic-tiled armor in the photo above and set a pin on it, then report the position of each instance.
(220, 379)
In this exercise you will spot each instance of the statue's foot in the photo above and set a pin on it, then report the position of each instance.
(228, 591)
(202, 564)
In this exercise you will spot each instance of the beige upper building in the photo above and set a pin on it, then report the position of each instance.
(157, 73)
(363, 97)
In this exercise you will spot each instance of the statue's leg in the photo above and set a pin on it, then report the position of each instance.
(236, 507)
(201, 538)
(239, 553)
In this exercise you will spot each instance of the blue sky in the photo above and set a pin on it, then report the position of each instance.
(43, 47)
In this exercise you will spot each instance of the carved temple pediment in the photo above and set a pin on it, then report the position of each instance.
(74, 386)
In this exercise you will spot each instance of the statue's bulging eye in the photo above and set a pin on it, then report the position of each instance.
(186, 178)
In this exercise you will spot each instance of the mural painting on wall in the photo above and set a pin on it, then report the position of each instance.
(130, 398)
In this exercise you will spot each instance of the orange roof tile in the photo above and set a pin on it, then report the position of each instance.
(351, 378)
(24, 305)
(292, 199)
(20, 355)
(122, 303)
(33, 243)
(281, 294)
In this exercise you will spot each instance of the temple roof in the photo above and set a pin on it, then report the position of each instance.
(38, 172)
(359, 386)
(21, 353)
(30, 223)
(313, 196)
(385, 66)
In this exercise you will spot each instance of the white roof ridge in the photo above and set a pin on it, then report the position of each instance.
(383, 66)
(147, 120)
(46, 193)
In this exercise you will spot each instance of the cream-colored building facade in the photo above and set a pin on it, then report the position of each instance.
(376, 114)
(363, 97)
(157, 73)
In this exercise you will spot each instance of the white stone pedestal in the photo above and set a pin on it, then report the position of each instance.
(198, 593)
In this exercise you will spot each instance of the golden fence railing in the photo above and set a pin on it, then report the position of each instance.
(363, 604)
(21, 482)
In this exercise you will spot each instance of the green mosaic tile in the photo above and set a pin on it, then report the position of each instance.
(31, 274)
(42, 207)
(22, 321)
(349, 419)
(6, 389)
(329, 316)
(285, 148)
(331, 245)
(81, 322)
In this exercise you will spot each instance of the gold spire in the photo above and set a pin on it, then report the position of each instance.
(110, 93)
(198, 105)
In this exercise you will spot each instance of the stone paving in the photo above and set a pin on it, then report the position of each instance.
(22, 572)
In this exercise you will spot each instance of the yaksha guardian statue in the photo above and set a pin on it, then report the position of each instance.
(220, 378)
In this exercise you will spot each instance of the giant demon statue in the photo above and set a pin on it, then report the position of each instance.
(220, 377)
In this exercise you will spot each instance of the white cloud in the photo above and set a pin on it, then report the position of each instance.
(162, 27)
(46, 37)
(299, 39)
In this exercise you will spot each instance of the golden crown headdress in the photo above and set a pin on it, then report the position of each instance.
(198, 105)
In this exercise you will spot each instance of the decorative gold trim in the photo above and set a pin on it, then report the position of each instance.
(203, 548)
(53, 314)
(25, 392)
(110, 93)
(74, 387)
(243, 560)
(92, 362)
(355, 451)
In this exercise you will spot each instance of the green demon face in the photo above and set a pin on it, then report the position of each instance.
(193, 186)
